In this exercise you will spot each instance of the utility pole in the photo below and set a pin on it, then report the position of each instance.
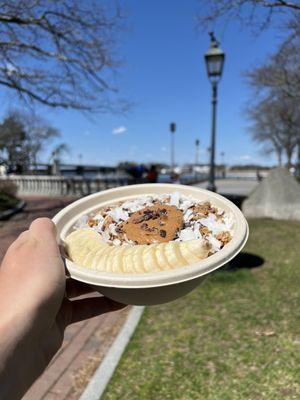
(197, 143)
(172, 130)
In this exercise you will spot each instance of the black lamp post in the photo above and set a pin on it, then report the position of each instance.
(197, 143)
(214, 60)
(172, 130)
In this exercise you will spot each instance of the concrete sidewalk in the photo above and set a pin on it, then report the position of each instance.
(241, 187)
(86, 342)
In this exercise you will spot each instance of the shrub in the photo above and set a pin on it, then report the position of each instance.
(8, 187)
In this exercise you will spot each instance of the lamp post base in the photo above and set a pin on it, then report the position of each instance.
(212, 187)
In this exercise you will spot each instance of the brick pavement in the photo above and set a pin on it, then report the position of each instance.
(36, 207)
(85, 343)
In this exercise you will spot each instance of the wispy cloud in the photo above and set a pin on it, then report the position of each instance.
(163, 148)
(87, 133)
(245, 157)
(119, 130)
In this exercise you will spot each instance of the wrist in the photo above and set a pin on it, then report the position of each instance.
(15, 342)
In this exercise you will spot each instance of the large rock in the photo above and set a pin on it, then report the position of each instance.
(277, 196)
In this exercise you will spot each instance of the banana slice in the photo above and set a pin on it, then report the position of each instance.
(188, 256)
(173, 255)
(185, 252)
(138, 260)
(198, 248)
(79, 243)
(100, 258)
(115, 259)
(118, 264)
(149, 259)
(161, 257)
(128, 265)
(86, 248)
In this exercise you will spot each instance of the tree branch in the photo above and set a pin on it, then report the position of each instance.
(55, 52)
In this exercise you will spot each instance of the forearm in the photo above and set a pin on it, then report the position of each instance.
(19, 367)
(16, 375)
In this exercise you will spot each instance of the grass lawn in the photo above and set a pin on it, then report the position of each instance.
(236, 337)
(7, 201)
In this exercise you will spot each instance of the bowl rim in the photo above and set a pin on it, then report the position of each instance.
(159, 278)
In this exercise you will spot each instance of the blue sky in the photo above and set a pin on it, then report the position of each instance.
(164, 75)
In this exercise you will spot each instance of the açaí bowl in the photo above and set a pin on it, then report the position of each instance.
(156, 287)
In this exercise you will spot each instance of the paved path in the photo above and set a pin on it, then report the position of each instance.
(36, 207)
(233, 186)
(85, 343)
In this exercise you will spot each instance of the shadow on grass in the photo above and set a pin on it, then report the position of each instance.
(237, 199)
(244, 260)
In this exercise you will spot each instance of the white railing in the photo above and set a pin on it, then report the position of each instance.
(61, 185)
(251, 175)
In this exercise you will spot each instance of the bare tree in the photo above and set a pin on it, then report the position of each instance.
(275, 105)
(274, 110)
(22, 137)
(281, 72)
(60, 53)
(264, 130)
(12, 138)
(276, 125)
(58, 152)
(258, 13)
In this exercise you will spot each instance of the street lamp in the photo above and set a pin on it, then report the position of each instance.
(223, 164)
(222, 157)
(197, 143)
(172, 130)
(214, 60)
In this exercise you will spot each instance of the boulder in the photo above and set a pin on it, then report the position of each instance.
(277, 196)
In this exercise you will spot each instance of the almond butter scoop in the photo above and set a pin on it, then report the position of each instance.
(158, 223)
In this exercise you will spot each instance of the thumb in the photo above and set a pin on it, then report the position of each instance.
(43, 229)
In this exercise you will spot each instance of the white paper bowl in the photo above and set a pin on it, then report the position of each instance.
(156, 287)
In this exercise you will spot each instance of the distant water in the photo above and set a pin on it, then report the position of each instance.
(164, 178)
(183, 178)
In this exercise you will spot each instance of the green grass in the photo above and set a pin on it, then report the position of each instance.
(7, 202)
(236, 337)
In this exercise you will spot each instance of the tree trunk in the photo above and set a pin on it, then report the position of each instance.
(289, 153)
(298, 161)
(279, 156)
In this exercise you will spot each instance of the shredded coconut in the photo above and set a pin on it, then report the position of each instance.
(188, 215)
(118, 213)
(213, 224)
(187, 234)
(174, 199)
(215, 243)
(82, 222)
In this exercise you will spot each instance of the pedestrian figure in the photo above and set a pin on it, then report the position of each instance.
(175, 178)
(258, 175)
(152, 174)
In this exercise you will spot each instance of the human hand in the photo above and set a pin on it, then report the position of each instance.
(35, 307)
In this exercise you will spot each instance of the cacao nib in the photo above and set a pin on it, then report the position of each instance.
(163, 233)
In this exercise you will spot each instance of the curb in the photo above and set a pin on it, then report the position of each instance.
(9, 213)
(104, 372)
